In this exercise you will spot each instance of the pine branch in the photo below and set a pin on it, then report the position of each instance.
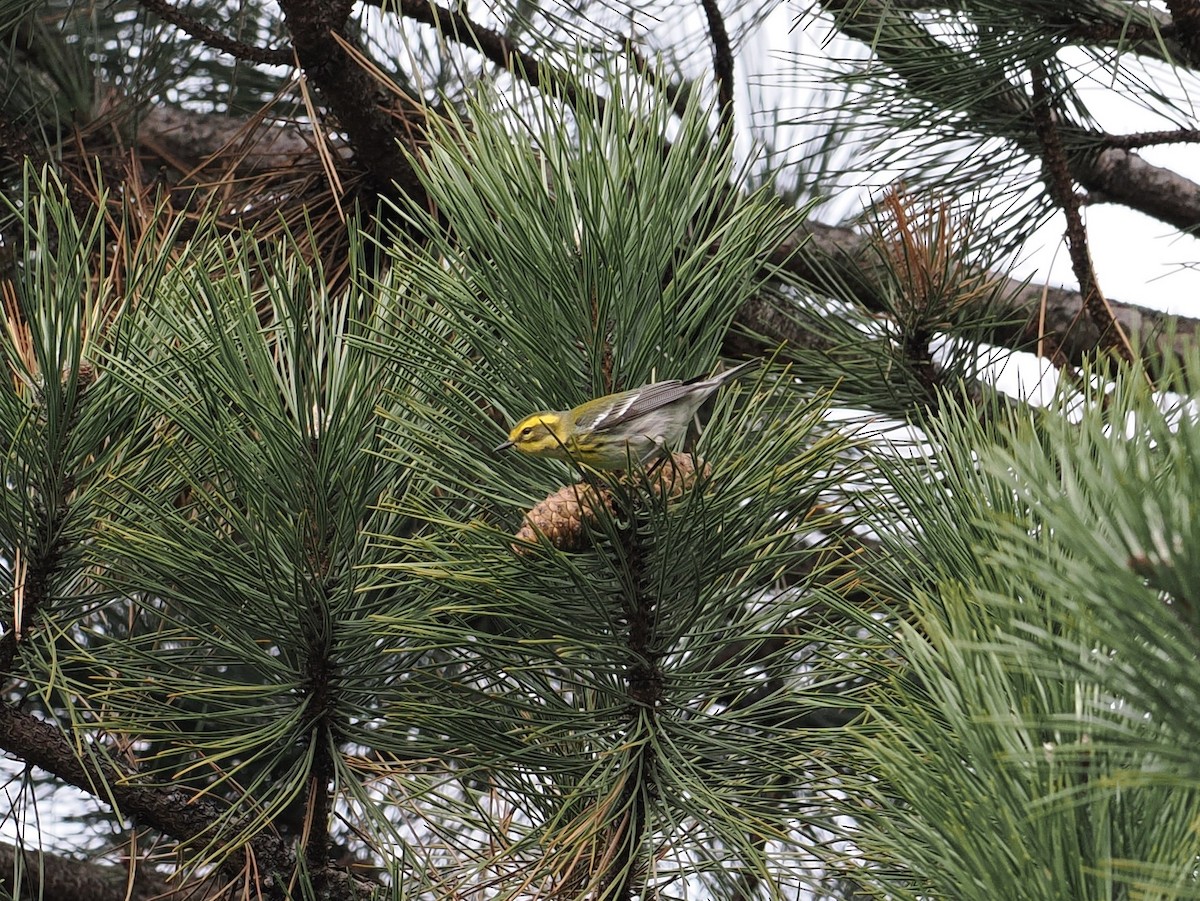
(38, 558)
(722, 62)
(644, 685)
(210, 37)
(999, 109)
(838, 257)
(1120, 176)
(457, 25)
(323, 727)
(1151, 138)
(819, 253)
(31, 593)
(1058, 181)
(1154, 35)
(52, 877)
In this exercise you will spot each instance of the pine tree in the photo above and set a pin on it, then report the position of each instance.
(293, 630)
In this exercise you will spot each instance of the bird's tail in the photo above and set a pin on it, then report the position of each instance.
(737, 371)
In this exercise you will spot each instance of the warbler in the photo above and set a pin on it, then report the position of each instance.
(612, 431)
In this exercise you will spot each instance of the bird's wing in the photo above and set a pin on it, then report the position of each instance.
(636, 403)
(640, 401)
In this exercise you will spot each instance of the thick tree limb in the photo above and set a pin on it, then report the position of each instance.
(350, 93)
(1121, 176)
(840, 260)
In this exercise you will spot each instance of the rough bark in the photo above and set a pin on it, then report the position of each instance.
(320, 39)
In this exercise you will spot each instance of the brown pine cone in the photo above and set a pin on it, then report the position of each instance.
(565, 516)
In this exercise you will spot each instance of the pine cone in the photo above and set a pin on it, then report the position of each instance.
(565, 516)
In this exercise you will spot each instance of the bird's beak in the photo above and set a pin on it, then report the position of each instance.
(503, 446)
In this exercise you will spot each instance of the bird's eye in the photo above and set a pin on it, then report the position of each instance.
(525, 431)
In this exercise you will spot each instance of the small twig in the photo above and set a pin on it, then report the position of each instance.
(1059, 183)
(492, 44)
(210, 37)
(1150, 138)
(722, 63)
